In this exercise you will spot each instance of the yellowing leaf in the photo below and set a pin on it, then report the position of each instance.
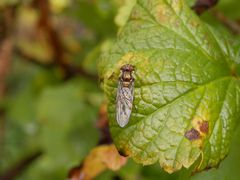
(99, 159)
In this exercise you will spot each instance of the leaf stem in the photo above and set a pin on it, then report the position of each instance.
(203, 5)
(232, 25)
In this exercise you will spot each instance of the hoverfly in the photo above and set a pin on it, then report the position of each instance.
(125, 95)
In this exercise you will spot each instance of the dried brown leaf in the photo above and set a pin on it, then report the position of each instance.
(98, 160)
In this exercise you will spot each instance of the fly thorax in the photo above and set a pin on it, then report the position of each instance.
(127, 76)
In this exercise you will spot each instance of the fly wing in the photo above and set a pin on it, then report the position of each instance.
(124, 103)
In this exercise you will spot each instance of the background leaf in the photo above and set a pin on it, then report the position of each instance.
(99, 159)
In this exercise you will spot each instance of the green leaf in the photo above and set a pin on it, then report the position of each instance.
(187, 91)
(67, 113)
(229, 168)
(8, 2)
(124, 12)
(91, 60)
(230, 8)
(102, 12)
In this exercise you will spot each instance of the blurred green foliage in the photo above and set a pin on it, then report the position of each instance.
(43, 111)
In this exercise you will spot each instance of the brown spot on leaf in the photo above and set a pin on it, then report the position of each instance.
(203, 126)
(192, 134)
(162, 13)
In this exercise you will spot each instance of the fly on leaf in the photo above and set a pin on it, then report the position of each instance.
(125, 95)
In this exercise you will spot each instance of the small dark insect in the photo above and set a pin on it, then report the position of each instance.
(125, 95)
